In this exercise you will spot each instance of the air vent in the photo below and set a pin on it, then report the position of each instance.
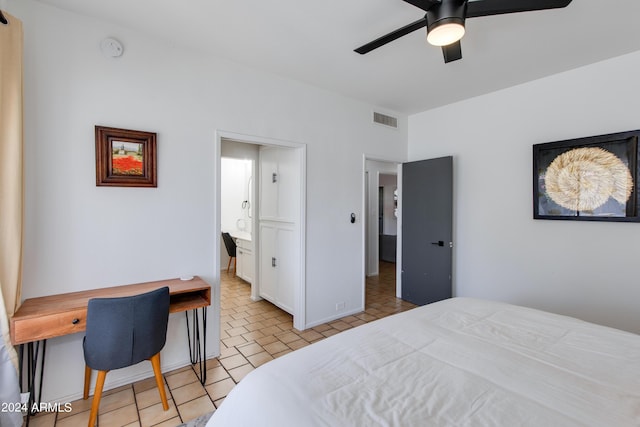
(385, 120)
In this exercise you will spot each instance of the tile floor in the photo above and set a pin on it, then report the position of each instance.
(252, 334)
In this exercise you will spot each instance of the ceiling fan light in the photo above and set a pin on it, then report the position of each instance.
(445, 34)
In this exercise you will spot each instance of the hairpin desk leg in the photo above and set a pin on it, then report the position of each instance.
(33, 354)
(198, 351)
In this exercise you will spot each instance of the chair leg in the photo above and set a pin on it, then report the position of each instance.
(87, 381)
(235, 263)
(96, 398)
(155, 362)
(229, 264)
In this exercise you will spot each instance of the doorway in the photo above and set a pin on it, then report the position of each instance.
(380, 226)
(252, 212)
(387, 217)
(427, 272)
(237, 204)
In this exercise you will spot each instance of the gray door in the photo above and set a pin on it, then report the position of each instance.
(427, 209)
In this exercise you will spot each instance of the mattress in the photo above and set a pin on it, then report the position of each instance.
(458, 362)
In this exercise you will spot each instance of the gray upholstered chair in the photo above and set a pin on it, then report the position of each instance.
(121, 332)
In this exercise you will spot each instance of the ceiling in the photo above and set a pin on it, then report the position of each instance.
(313, 42)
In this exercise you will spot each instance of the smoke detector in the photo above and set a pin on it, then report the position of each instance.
(111, 47)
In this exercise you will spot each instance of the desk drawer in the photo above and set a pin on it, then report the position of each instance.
(48, 326)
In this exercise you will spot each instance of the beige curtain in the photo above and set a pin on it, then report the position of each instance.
(11, 174)
(11, 201)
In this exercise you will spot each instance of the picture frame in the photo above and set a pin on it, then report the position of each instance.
(125, 158)
(587, 179)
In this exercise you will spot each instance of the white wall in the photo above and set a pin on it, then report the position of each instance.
(236, 176)
(583, 269)
(74, 238)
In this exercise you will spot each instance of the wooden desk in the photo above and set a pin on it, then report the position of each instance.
(39, 319)
(63, 314)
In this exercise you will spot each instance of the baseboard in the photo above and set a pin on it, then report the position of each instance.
(336, 317)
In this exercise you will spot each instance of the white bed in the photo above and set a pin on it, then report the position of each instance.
(459, 362)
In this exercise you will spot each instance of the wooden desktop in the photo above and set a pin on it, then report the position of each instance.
(56, 315)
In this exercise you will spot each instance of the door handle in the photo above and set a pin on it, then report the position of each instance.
(438, 243)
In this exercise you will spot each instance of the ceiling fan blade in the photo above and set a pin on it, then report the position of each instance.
(453, 52)
(391, 36)
(423, 4)
(498, 7)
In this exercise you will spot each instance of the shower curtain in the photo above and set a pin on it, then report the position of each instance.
(11, 207)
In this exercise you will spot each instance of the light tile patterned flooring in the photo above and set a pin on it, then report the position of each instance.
(252, 334)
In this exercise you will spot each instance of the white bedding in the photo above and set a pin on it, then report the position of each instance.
(458, 362)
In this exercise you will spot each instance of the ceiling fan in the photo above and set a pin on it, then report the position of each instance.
(444, 20)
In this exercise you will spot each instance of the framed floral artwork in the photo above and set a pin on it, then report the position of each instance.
(125, 158)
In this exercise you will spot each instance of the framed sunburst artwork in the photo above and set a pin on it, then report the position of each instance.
(588, 179)
(125, 158)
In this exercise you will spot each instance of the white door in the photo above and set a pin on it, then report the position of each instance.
(288, 185)
(269, 183)
(268, 277)
(279, 207)
(286, 263)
